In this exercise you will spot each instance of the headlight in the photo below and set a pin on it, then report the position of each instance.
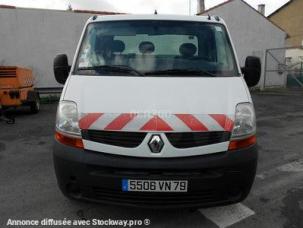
(245, 121)
(67, 118)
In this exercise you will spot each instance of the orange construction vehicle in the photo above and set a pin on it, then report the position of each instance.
(16, 88)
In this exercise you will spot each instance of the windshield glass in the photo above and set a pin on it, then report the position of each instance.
(156, 48)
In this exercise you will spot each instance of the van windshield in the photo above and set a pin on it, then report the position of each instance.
(156, 48)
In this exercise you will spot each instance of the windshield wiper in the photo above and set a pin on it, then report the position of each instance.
(180, 72)
(113, 68)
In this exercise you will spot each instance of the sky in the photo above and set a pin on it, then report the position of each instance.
(136, 6)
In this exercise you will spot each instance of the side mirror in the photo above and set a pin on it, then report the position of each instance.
(61, 68)
(252, 71)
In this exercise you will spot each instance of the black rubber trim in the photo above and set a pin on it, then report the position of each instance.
(195, 139)
(115, 138)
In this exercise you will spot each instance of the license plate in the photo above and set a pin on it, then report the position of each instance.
(154, 185)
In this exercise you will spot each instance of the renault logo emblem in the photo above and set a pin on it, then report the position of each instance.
(155, 144)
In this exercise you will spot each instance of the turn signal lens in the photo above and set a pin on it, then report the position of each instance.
(239, 144)
(69, 141)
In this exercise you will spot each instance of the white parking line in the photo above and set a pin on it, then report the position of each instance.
(227, 215)
(296, 166)
(292, 167)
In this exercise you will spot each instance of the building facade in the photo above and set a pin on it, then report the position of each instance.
(252, 34)
(290, 18)
(33, 37)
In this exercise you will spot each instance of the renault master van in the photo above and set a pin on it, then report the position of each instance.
(156, 112)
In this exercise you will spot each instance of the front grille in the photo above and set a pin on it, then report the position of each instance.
(202, 197)
(114, 138)
(155, 173)
(134, 139)
(195, 139)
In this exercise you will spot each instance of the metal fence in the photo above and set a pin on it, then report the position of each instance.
(282, 71)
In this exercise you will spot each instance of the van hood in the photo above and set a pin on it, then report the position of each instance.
(156, 104)
(196, 95)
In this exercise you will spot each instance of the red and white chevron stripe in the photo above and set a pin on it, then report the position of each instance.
(136, 122)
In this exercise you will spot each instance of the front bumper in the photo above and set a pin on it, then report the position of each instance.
(218, 179)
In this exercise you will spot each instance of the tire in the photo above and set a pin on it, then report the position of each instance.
(35, 105)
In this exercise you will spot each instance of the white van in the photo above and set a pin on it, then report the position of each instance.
(156, 112)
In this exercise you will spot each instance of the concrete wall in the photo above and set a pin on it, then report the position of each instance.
(31, 38)
(252, 33)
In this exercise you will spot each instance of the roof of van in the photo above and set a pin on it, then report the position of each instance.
(157, 17)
